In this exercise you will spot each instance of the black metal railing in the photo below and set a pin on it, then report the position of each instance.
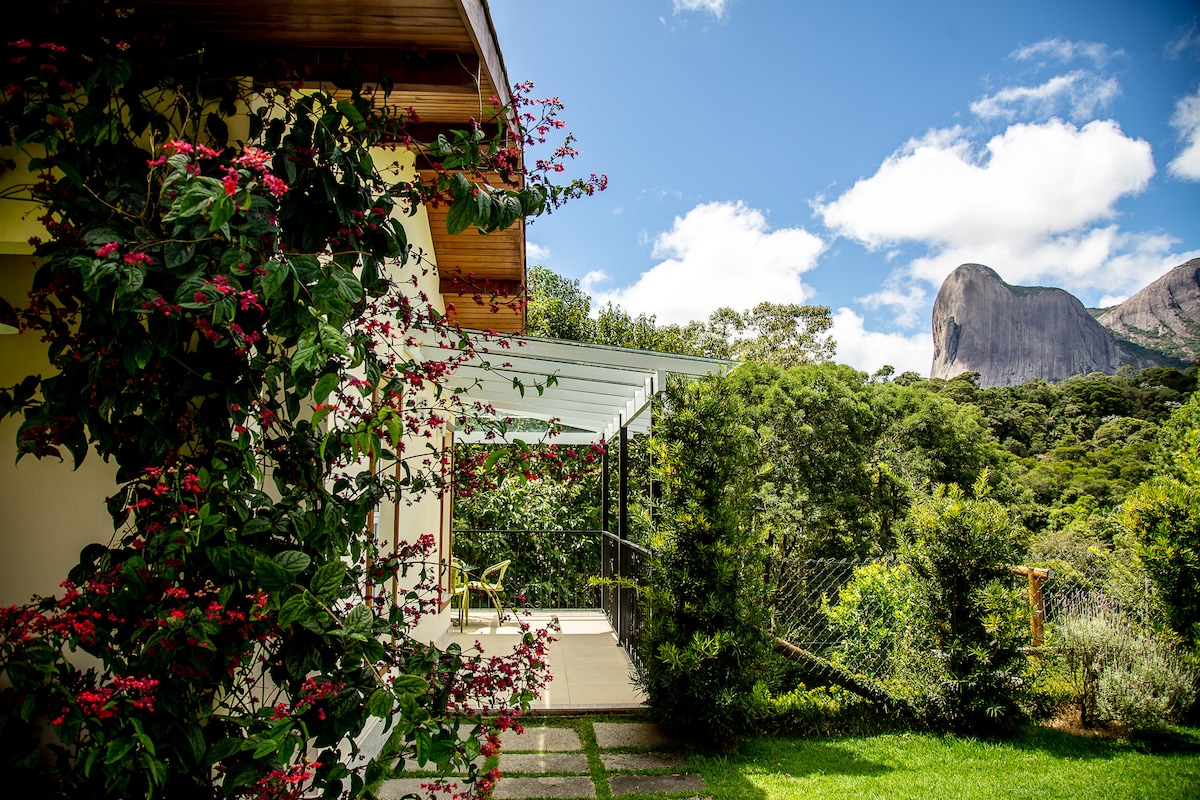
(547, 569)
(623, 571)
(555, 569)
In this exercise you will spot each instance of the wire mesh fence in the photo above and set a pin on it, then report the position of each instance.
(863, 616)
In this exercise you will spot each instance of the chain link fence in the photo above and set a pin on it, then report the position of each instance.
(862, 616)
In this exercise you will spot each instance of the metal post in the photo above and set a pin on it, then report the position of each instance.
(623, 486)
(604, 502)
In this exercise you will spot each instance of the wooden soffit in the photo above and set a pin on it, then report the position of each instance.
(443, 60)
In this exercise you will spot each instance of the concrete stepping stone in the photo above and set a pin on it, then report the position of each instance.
(637, 762)
(397, 788)
(610, 735)
(544, 787)
(646, 784)
(545, 740)
(543, 762)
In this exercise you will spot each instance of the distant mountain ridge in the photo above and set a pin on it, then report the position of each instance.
(1012, 334)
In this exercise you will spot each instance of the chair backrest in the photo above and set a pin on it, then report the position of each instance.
(458, 576)
(495, 569)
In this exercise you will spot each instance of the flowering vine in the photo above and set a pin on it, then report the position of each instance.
(233, 324)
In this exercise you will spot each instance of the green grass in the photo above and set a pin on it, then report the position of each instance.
(1039, 764)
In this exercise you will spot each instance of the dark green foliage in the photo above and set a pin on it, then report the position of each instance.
(1163, 516)
(704, 639)
(959, 548)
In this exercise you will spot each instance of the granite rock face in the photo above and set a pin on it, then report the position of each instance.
(1165, 315)
(1011, 334)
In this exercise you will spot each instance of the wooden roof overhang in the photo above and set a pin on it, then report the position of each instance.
(443, 60)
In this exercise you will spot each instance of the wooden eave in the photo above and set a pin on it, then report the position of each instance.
(443, 60)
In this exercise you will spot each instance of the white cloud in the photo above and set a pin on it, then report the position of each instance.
(1038, 205)
(1065, 51)
(535, 253)
(869, 350)
(718, 254)
(1081, 93)
(714, 7)
(1033, 181)
(908, 302)
(1186, 120)
(1188, 40)
(1088, 264)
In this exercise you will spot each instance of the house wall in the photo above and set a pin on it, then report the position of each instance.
(49, 511)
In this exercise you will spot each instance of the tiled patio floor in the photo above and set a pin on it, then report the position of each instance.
(591, 671)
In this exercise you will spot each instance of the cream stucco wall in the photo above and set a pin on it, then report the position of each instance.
(48, 511)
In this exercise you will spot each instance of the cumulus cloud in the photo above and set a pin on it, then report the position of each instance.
(1038, 204)
(1065, 51)
(1186, 120)
(714, 7)
(718, 254)
(869, 350)
(1031, 181)
(907, 300)
(535, 253)
(1080, 93)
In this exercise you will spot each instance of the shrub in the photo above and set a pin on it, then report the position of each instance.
(959, 549)
(1149, 686)
(1121, 673)
(703, 644)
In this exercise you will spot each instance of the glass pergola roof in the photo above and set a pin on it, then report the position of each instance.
(596, 389)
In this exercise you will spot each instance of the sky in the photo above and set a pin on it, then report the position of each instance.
(852, 154)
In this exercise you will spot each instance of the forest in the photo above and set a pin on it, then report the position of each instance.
(1093, 481)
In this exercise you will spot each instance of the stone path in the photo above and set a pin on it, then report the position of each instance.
(544, 762)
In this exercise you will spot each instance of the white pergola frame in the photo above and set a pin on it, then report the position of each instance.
(595, 388)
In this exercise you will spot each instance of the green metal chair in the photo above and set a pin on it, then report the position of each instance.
(458, 589)
(491, 582)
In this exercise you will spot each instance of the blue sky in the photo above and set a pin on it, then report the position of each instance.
(851, 154)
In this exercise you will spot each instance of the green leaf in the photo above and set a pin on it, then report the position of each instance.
(265, 748)
(410, 684)
(352, 114)
(461, 214)
(118, 749)
(293, 561)
(225, 748)
(325, 384)
(381, 704)
(359, 619)
(271, 576)
(295, 608)
(277, 274)
(221, 212)
(327, 583)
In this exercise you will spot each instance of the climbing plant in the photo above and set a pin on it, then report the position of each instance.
(228, 297)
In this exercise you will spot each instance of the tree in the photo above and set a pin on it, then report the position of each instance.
(226, 321)
(782, 334)
(557, 307)
(959, 548)
(704, 637)
(1163, 514)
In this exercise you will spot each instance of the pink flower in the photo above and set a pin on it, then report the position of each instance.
(274, 185)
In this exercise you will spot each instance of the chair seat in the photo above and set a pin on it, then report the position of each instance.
(491, 583)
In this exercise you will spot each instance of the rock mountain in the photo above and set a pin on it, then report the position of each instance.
(1011, 334)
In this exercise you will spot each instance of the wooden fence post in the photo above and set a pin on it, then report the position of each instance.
(1037, 603)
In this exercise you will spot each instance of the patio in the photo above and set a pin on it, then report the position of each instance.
(592, 673)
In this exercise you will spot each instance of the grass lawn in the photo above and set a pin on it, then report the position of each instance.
(1040, 764)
